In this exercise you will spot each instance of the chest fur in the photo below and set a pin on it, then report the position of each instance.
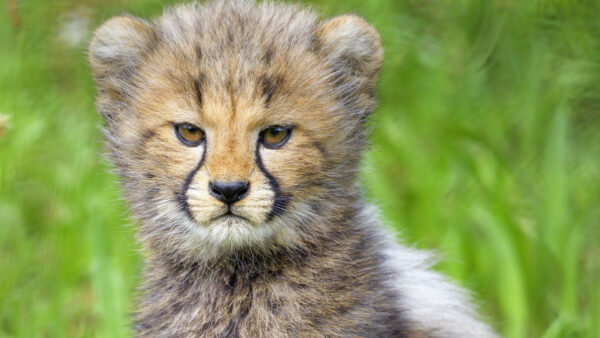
(272, 302)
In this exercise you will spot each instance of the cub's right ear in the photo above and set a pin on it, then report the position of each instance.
(352, 48)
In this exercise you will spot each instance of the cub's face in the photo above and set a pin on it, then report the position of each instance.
(231, 152)
(234, 125)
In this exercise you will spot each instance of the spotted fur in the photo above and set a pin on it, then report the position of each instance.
(301, 254)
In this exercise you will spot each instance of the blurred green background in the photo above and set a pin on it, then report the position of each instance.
(485, 148)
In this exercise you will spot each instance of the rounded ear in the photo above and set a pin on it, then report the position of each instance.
(353, 47)
(115, 53)
(117, 46)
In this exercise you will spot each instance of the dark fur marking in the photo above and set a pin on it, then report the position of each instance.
(198, 51)
(300, 286)
(232, 329)
(272, 305)
(319, 146)
(230, 35)
(247, 304)
(197, 84)
(268, 57)
(316, 207)
(232, 280)
(149, 175)
(230, 88)
(148, 134)
(354, 66)
(269, 85)
(146, 137)
(372, 92)
(315, 46)
(267, 89)
(281, 201)
(182, 195)
(274, 274)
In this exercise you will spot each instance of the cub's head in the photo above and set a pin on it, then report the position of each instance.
(235, 125)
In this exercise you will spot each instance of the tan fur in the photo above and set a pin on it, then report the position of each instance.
(300, 258)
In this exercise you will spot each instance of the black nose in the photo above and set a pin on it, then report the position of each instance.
(229, 192)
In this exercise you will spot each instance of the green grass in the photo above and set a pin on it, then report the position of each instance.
(486, 147)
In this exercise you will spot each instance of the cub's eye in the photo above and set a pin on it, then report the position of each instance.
(275, 137)
(189, 134)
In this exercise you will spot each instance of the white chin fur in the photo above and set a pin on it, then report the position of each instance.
(229, 233)
(232, 231)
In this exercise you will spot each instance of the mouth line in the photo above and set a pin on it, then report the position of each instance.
(229, 214)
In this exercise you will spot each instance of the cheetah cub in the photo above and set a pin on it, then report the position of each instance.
(237, 128)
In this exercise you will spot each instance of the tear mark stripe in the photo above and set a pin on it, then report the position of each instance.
(182, 195)
(281, 201)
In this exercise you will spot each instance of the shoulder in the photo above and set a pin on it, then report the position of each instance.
(428, 301)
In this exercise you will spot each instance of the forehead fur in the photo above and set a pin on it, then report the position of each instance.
(231, 39)
(222, 59)
(235, 59)
(230, 42)
(256, 31)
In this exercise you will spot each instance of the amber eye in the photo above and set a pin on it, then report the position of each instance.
(189, 134)
(275, 137)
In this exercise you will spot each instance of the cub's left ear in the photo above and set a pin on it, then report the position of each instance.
(353, 48)
(118, 46)
(117, 49)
